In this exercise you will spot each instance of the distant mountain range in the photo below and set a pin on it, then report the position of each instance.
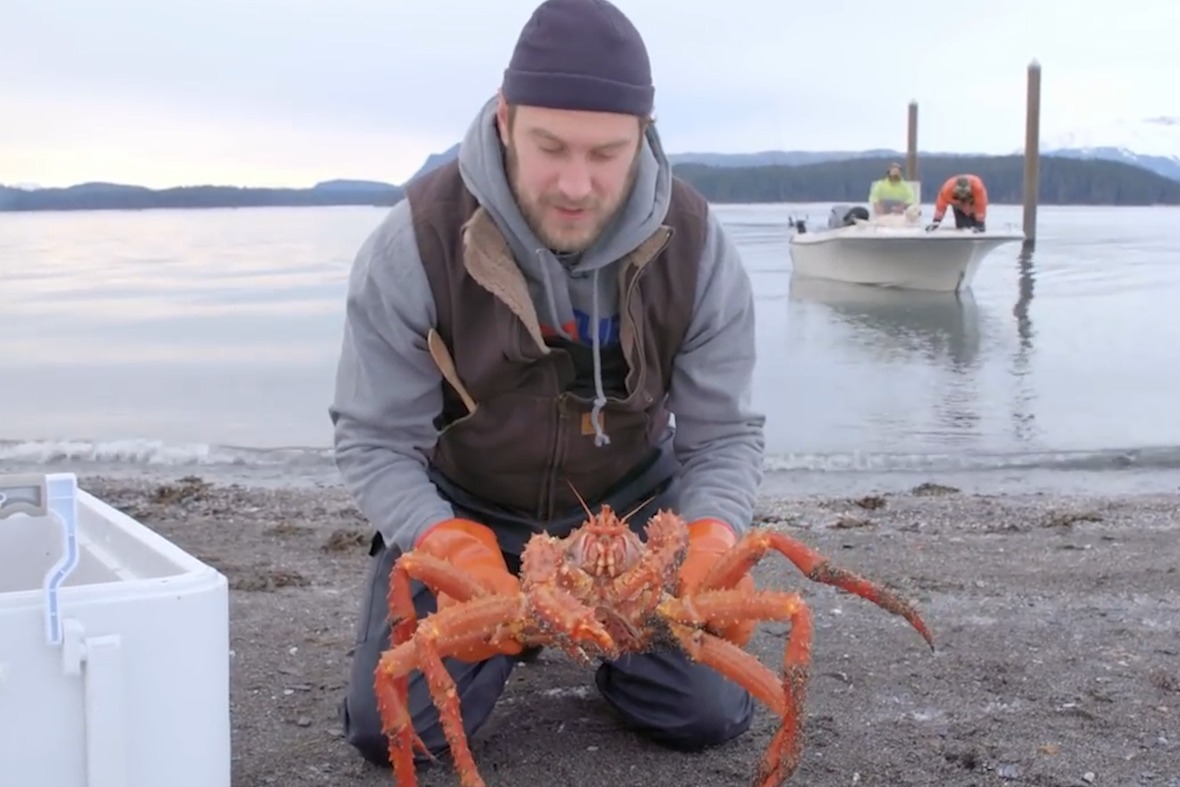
(763, 158)
(118, 196)
(1150, 147)
(1063, 181)
(1151, 143)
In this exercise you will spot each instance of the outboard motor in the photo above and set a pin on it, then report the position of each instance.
(858, 213)
(846, 216)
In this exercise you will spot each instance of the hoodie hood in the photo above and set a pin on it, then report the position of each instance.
(576, 296)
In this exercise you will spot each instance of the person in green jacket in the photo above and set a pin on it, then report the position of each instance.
(891, 194)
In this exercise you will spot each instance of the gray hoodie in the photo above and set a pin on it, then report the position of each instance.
(388, 389)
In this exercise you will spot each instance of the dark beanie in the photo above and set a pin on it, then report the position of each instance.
(580, 54)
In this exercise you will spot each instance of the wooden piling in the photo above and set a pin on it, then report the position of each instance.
(1032, 153)
(911, 155)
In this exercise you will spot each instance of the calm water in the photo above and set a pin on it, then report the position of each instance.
(176, 336)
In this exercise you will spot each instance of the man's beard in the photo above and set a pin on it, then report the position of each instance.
(533, 211)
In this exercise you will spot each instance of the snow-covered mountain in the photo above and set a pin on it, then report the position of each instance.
(1151, 143)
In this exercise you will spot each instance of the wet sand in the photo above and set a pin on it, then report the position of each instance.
(1056, 620)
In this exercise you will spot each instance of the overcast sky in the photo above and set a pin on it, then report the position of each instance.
(289, 92)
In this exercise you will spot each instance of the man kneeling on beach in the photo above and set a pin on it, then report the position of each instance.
(527, 318)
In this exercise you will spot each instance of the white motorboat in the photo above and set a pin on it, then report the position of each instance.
(892, 250)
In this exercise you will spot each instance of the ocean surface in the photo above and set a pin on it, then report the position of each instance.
(208, 338)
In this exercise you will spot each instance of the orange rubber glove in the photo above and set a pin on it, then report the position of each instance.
(472, 548)
(708, 539)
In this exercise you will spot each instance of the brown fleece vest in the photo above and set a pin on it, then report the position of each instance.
(529, 434)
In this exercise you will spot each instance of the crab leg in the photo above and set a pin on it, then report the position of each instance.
(446, 698)
(438, 575)
(785, 698)
(754, 545)
(393, 707)
(571, 623)
(452, 630)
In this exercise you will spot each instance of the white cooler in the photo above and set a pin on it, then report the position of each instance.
(114, 647)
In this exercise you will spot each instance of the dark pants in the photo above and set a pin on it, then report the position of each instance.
(663, 695)
(964, 220)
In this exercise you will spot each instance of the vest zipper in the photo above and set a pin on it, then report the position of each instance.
(547, 502)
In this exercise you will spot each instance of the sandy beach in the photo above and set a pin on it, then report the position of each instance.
(1057, 623)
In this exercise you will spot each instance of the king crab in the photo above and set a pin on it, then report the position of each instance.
(601, 592)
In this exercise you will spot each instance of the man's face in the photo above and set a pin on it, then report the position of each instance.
(570, 170)
(895, 173)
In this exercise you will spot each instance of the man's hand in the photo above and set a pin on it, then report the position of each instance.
(472, 548)
(707, 540)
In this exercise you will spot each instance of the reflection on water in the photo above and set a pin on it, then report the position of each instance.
(918, 354)
(942, 328)
(1023, 414)
(1021, 309)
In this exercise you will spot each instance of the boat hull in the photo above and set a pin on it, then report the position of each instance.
(911, 258)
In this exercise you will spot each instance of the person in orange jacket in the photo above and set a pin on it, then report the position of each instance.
(967, 197)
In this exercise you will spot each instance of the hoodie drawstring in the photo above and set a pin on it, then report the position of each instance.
(600, 436)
